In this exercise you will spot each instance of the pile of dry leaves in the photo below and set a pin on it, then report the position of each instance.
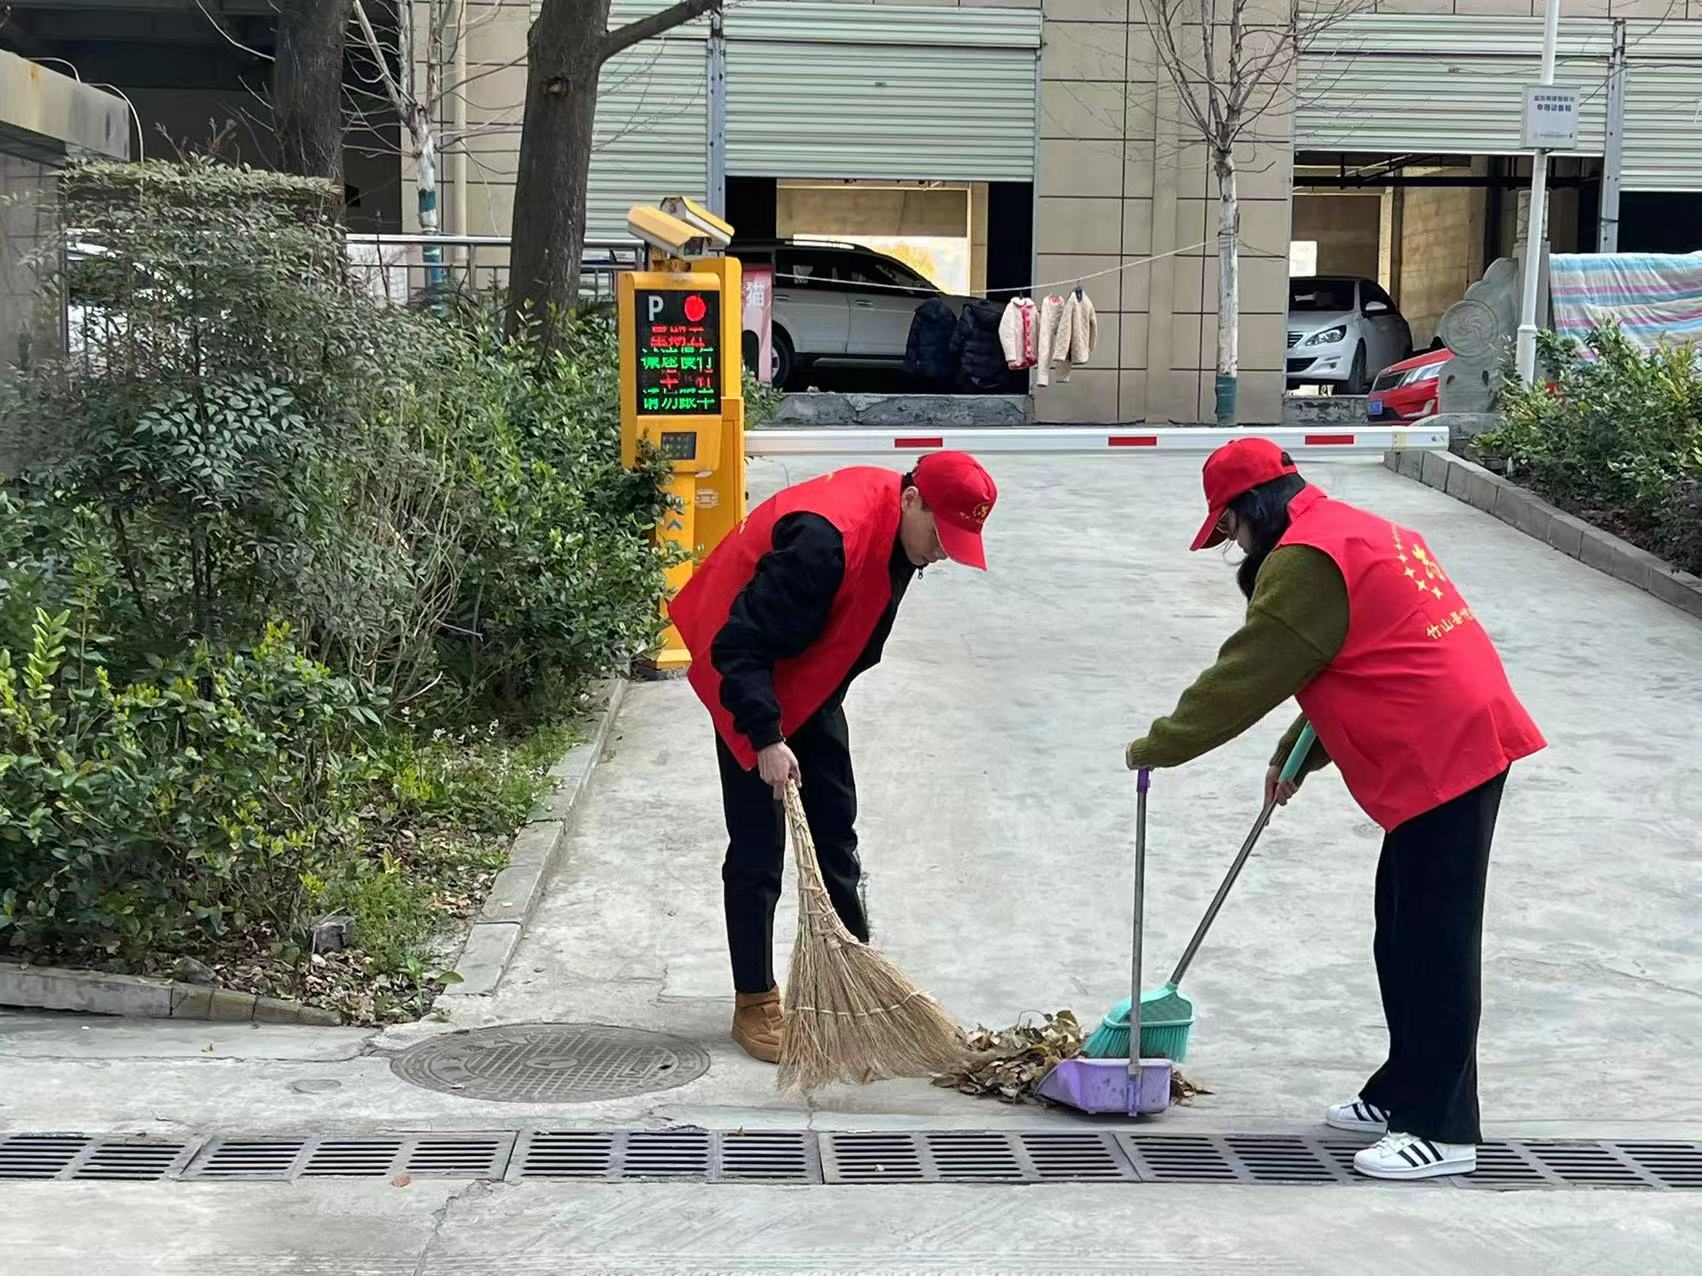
(1009, 1064)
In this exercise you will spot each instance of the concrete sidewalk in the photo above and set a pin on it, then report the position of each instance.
(997, 823)
(534, 1229)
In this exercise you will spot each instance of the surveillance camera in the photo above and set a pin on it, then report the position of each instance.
(666, 234)
(717, 231)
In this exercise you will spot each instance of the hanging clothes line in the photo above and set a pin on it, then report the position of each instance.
(1074, 281)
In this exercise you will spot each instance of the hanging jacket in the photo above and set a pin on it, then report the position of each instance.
(1415, 709)
(928, 352)
(1083, 328)
(1069, 330)
(976, 347)
(1054, 339)
(862, 506)
(1019, 334)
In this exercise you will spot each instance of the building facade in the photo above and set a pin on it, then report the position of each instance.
(1396, 157)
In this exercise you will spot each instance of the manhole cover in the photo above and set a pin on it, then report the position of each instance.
(551, 1063)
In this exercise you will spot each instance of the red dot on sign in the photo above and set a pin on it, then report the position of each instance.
(695, 309)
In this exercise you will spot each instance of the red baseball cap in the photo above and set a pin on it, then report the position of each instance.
(1233, 470)
(961, 495)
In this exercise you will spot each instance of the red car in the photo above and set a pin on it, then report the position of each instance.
(1409, 390)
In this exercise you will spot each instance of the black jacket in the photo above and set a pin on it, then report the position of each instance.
(782, 611)
(975, 344)
(928, 352)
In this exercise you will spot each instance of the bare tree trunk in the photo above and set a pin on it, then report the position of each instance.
(1228, 288)
(307, 87)
(564, 55)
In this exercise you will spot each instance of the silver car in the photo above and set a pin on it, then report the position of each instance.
(838, 303)
(1342, 332)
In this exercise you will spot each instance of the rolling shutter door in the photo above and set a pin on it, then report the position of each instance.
(652, 136)
(881, 91)
(1455, 86)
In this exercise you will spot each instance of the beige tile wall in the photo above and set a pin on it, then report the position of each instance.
(1119, 181)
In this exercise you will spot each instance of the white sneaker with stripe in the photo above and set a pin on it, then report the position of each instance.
(1358, 1117)
(1406, 1156)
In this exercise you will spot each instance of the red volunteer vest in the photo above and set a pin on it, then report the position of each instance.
(1415, 709)
(863, 504)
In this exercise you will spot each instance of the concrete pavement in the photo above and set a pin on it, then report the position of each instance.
(996, 826)
(530, 1229)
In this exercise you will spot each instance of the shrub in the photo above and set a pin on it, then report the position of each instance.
(432, 510)
(149, 817)
(282, 543)
(565, 578)
(1615, 437)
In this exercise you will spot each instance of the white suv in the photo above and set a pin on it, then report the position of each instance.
(838, 303)
(1342, 332)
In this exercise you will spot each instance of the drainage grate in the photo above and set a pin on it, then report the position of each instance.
(1241, 1158)
(847, 1157)
(138, 1162)
(1181, 1159)
(785, 1156)
(866, 1157)
(76, 1158)
(1669, 1164)
(768, 1156)
(570, 1154)
(551, 1063)
(39, 1156)
(973, 1156)
(474, 1156)
(1075, 1158)
(1588, 1165)
(245, 1159)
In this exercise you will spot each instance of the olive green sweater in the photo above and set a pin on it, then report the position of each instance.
(1296, 623)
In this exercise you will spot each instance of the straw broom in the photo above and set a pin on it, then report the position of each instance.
(851, 1015)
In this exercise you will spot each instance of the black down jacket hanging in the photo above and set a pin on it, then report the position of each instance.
(928, 353)
(980, 355)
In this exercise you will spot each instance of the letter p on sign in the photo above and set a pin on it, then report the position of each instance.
(653, 303)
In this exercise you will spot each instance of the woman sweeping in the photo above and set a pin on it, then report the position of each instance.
(1354, 616)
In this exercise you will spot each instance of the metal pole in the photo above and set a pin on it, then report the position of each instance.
(716, 195)
(1142, 784)
(1613, 162)
(1536, 230)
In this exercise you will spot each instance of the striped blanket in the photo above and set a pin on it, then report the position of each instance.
(1651, 296)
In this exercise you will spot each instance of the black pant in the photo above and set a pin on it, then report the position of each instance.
(756, 846)
(1429, 947)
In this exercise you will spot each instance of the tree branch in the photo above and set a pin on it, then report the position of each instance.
(397, 99)
(623, 38)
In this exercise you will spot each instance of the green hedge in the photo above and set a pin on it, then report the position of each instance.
(283, 540)
(1615, 436)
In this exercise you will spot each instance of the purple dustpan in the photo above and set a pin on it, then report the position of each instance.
(1109, 1085)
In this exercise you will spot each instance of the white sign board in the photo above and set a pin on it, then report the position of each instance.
(1551, 118)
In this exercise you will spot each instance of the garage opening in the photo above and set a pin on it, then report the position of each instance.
(856, 260)
(880, 161)
(1385, 243)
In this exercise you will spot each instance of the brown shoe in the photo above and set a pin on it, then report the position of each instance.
(757, 1023)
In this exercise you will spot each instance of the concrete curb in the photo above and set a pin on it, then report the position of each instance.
(495, 934)
(94, 992)
(1535, 517)
(823, 410)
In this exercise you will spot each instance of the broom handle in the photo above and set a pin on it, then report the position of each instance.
(1290, 769)
(1143, 783)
